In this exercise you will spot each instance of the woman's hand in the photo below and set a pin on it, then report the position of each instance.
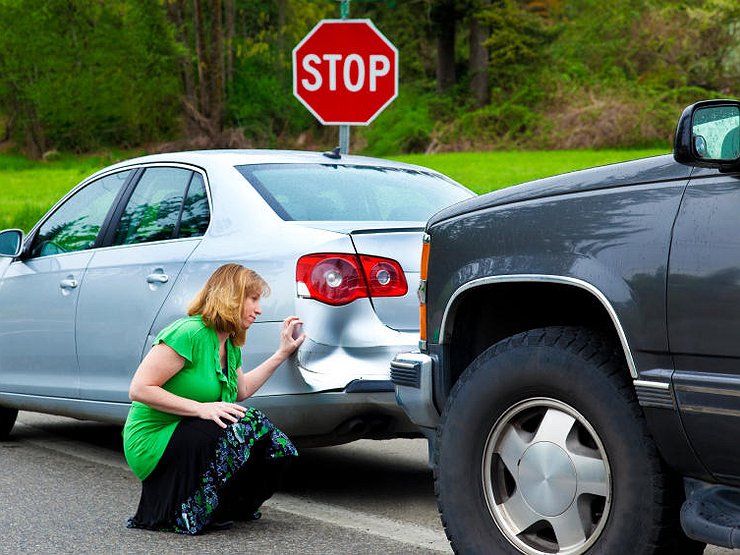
(291, 336)
(221, 413)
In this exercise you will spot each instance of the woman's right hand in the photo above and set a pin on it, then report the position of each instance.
(221, 413)
(291, 336)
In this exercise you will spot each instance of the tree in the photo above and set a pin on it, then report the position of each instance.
(444, 17)
(76, 75)
(519, 35)
(207, 51)
(479, 69)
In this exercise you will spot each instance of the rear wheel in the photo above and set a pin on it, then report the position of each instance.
(7, 420)
(543, 448)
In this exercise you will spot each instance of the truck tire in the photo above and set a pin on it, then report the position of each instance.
(7, 420)
(543, 448)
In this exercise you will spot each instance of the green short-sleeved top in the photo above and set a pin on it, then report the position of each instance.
(148, 431)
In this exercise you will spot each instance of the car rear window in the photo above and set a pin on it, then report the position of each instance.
(320, 192)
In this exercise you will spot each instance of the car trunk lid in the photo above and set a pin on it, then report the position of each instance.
(400, 241)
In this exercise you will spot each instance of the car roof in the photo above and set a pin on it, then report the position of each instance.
(238, 157)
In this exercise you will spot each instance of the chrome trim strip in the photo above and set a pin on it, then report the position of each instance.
(709, 390)
(407, 365)
(710, 410)
(543, 278)
(652, 384)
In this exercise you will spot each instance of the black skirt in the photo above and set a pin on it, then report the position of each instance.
(208, 473)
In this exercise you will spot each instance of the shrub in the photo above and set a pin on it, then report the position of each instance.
(405, 126)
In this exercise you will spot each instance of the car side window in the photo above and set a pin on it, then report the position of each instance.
(195, 212)
(153, 210)
(75, 225)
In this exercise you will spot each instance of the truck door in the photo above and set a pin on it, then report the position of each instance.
(704, 318)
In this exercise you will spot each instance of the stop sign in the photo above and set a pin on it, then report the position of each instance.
(345, 71)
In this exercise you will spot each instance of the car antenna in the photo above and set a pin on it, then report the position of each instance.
(334, 154)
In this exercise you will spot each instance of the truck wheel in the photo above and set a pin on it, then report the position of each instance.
(543, 448)
(7, 420)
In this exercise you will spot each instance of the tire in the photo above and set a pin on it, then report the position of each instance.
(7, 420)
(543, 448)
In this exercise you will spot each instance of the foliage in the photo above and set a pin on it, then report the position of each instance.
(260, 102)
(405, 126)
(407, 24)
(510, 124)
(79, 74)
(517, 42)
(593, 74)
(658, 44)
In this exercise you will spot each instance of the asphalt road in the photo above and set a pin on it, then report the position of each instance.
(65, 488)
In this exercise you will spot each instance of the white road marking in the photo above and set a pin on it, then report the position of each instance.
(403, 532)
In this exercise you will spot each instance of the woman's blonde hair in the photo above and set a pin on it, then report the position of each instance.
(221, 300)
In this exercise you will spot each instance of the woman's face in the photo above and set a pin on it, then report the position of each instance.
(250, 310)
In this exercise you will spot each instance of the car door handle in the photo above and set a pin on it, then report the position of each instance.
(68, 283)
(157, 278)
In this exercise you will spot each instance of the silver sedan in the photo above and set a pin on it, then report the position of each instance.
(338, 238)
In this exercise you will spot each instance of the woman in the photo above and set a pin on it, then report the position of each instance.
(202, 458)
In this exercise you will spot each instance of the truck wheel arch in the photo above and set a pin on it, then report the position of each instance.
(518, 291)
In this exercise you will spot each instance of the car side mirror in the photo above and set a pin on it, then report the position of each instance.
(11, 242)
(708, 135)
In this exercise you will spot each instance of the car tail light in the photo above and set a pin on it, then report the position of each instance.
(338, 279)
(384, 276)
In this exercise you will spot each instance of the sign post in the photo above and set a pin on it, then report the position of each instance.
(344, 129)
(345, 71)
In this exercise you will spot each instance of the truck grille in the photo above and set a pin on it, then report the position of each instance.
(650, 396)
(406, 373)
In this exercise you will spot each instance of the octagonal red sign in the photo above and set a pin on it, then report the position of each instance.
(345, 71)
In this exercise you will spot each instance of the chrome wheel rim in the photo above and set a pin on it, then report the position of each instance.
(546, 478)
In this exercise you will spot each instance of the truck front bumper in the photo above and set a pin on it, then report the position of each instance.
(411, 373)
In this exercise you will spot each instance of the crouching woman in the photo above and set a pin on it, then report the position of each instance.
(204, 460)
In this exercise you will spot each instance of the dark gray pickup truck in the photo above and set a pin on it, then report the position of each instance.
(579, 370)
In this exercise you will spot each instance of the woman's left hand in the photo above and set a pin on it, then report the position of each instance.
(291, 336)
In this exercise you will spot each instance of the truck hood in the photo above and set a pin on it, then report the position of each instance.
(646, 170)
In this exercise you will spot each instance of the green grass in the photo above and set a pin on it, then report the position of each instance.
(29, 188)
(487, 171)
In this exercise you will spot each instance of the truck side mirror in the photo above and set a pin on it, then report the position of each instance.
(11, 242)
(708, 135)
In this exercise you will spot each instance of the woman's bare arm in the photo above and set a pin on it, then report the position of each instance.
(158, 366)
